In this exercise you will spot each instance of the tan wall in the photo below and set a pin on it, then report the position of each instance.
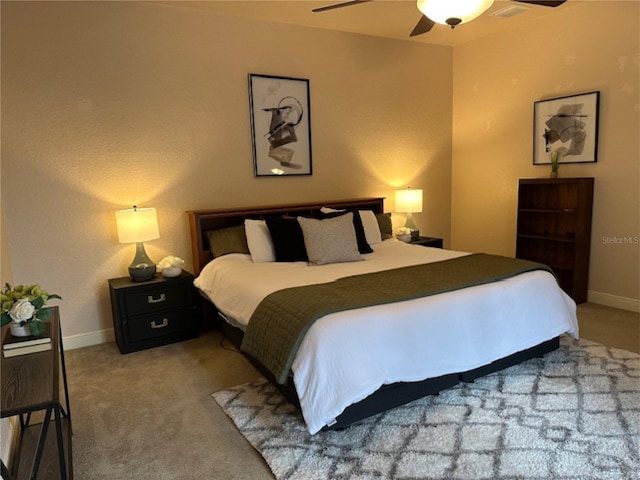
(6, 274)
(590, 46)
(107, 104)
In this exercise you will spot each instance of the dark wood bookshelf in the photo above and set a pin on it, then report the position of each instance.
(554, 228)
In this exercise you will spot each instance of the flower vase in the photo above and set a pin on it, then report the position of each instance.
(553, 175)
(20, 330)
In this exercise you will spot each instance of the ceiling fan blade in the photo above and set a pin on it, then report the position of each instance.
(339, 5)
(423, 26)
(543, 3)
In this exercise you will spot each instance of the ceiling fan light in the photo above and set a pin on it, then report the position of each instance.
(442, 10)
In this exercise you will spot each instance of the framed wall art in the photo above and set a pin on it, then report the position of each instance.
(280, 125)
(567, 126)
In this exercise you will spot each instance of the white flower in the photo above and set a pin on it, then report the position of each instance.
(404, 231)
(22, 310)
(170, 262)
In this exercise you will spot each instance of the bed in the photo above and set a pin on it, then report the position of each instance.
(361, 360)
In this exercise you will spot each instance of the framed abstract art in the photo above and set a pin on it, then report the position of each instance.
(568, 127)
(280, 125)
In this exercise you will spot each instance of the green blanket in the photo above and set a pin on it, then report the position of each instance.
(282, 319)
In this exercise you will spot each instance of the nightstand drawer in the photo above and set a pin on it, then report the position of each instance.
(144, 327)
(155, 299)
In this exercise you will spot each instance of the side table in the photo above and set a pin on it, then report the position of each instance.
(152, 313)
(30, 384)
(428, 242)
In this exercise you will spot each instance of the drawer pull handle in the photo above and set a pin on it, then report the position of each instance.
(161, 298)
(165, 322)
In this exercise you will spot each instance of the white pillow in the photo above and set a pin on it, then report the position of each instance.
(332, 240)
(259, 241)
(371, 227)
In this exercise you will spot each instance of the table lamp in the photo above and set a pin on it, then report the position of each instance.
(137, 225)
(409, 201)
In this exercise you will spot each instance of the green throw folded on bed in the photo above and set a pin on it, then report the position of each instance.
(282, 319)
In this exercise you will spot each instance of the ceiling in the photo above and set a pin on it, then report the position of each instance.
(382, 18)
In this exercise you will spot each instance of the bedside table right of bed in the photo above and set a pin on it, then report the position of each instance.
(428, 242)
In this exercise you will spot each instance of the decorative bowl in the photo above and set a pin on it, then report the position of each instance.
(171, 272)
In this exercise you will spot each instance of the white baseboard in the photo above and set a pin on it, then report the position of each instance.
(614, 301)
(88, 339)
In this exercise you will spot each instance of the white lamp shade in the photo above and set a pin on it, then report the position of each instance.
(409, 200)
(137, 225)
(440, 10)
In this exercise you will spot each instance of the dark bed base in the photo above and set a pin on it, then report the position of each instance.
(395, 394)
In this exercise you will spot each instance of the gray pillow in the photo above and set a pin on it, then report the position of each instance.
(228, 240)
(332, 240)
(384, 222)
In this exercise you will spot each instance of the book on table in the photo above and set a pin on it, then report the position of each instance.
(11, 342)
(14, 352)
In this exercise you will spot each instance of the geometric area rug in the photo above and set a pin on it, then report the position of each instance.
(574, 414)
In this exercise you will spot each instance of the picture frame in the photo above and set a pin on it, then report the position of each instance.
(567, 126)
(280, 125)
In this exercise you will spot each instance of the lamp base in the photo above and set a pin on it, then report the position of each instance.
(415, 232)
(140, 273)
(142, 268)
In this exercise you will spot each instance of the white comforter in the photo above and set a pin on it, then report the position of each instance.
(347, 356)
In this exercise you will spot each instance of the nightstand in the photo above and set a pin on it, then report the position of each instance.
(152, 313)
(428, 242)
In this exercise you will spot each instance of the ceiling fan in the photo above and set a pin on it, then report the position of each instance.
(446, 12)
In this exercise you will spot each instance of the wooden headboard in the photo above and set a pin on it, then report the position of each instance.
(201, 221)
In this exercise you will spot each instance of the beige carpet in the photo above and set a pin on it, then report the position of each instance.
(575, 414)
(149, 415)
